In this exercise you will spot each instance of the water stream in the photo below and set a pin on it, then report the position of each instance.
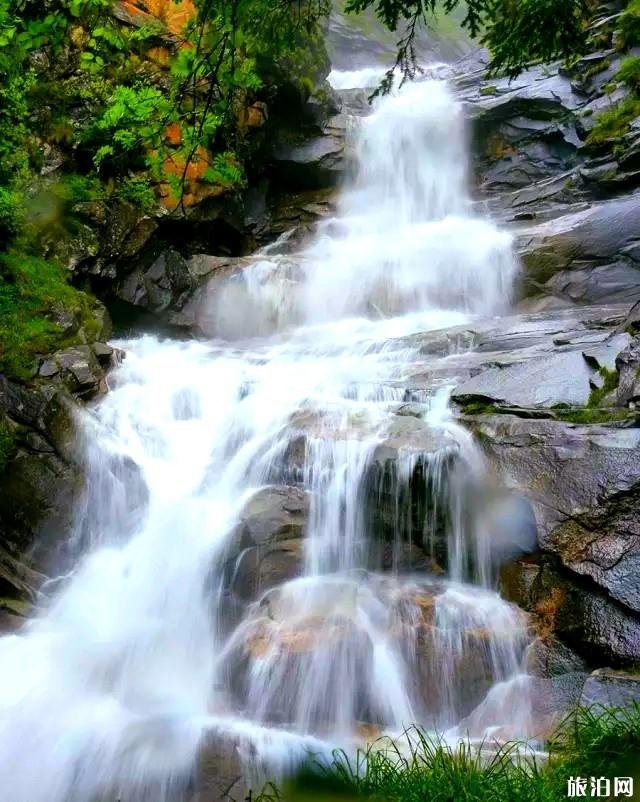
(152, 639)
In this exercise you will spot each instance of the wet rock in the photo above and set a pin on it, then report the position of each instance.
(589, 256)
(267, 546)
(79, 369)
(552, 699)
(406, 435)
(577, 612)
(544, 382)
(274, 514)
(549, 657)
(566, 470)
(611, 689)
(158, 285)
(219, 773)
(524, 130)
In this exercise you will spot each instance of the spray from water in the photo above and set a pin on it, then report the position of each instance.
(146, 645)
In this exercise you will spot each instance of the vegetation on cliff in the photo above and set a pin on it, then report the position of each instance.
(153, 104)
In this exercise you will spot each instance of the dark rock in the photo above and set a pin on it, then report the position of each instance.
(273, 514)
(549, 657)
(267, 546)
(576, 612)
(79, 369)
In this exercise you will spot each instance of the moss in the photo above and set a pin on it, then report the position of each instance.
(480, 408)
(614, 122)
(489, 90)
(596, 69)
(587, 415)
(598, 394)
(33, 292)
(8, 443)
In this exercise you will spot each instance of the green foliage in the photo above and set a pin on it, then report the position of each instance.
(139, 193)
(629, 72)
(33, 292)
(614, 122)
(628, 33)
(596, 742)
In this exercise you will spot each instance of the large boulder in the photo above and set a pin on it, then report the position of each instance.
(524, 130)
(586, 256)
(577, 612)
(267, 546)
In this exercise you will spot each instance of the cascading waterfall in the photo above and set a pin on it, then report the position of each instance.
(144, 647)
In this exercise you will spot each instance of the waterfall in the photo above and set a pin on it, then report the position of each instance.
(152, 639)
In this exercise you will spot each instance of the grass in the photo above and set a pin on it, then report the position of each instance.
(591, 743)
(32, 292)
(614, 122)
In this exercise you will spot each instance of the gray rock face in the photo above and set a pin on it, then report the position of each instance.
(589, 256)
(524, 130)
(38, 489)
(316, 162)
(583, 483)
(543, 382)
(611, 689)
(219, 774)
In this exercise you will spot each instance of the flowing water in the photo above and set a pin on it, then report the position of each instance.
(172, 625)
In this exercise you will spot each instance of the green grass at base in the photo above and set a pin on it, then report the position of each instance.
(592, 743)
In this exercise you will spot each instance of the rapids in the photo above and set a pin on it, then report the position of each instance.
(137, 653)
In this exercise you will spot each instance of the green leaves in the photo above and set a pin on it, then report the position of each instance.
(517, 32)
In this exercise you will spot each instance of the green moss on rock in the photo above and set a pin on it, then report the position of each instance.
(39, 312)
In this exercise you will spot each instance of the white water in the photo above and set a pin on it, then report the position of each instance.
(110, 689)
